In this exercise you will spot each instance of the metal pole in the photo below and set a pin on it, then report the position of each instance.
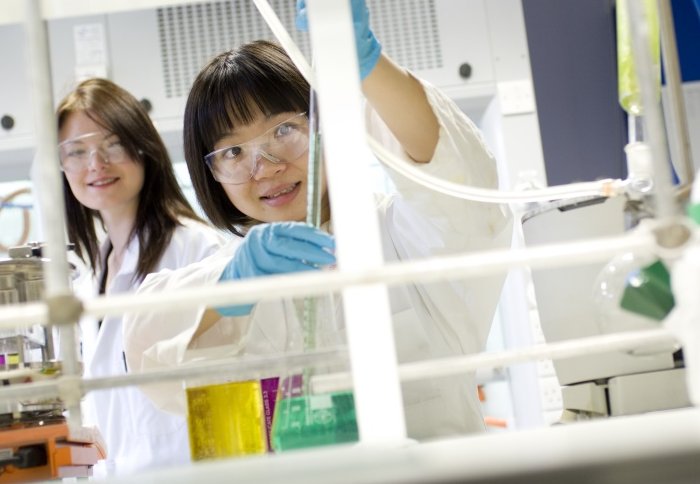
(246, 367)
(49, 187)
(679, 138)
(377, 393)
(440, 367)
(653, 117)
(317, 283)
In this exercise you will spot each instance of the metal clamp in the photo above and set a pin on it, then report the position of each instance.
(64, 309)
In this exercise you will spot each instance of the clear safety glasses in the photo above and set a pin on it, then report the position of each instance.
(75, 153)
(282, 143)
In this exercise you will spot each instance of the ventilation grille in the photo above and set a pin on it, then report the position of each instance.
(408, 31)
(190, 35)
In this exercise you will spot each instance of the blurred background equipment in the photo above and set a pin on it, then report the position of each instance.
(35, 441)
(9, 202)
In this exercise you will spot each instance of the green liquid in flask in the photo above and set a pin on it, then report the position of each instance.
(226, 420)
(312, 420)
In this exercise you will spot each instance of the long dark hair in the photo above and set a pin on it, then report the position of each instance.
(230, 90)
(161, 200)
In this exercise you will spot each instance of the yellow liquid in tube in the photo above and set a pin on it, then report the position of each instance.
(226, 420)
(630, 95)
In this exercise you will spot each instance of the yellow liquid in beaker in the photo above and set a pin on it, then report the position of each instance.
(629, 93)
(226, 420)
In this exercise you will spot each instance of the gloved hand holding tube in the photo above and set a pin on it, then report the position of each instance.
(277, 248)
(368, 47)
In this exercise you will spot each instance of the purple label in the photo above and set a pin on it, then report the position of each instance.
(2, 359)
(269, 396)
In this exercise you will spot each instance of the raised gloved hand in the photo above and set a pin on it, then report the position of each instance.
(277, 248)
(368, 47)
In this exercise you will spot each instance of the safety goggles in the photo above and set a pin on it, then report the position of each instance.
(282, 143)
(75, 153)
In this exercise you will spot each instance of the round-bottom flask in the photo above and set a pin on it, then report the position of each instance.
(632, 293)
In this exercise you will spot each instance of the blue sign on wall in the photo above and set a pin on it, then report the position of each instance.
(686, 19)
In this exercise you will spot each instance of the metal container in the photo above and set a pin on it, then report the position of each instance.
(22, 281)
(27, 354)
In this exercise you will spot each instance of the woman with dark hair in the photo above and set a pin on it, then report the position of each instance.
(117, 174)
(246, 144)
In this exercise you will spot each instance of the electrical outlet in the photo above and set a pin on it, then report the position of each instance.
(545, 368)
(552, 417)
(550, 394)
(516, 97)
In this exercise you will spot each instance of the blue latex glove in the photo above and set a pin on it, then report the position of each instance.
(368, 47)
(277, 248)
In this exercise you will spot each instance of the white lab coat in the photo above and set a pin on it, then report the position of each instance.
(137, 434)
(430, 320)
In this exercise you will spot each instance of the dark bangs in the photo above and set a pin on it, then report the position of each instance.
(257, 78)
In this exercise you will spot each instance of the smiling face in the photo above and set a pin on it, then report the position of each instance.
(277, 190)
(111, 187)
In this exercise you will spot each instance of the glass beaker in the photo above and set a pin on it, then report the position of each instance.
(302, 418)
(226, 419)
